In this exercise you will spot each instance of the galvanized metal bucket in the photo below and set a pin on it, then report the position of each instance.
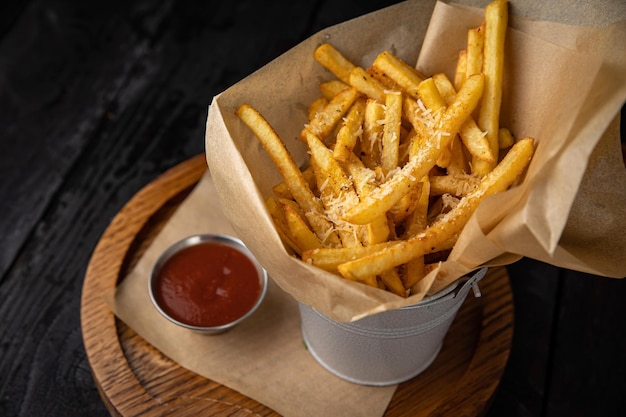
(389, 347)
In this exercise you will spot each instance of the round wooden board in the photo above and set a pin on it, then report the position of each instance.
(134, 378)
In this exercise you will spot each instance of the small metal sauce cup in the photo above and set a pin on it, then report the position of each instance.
(201, 239)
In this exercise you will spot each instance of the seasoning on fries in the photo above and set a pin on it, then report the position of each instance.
(398, 164)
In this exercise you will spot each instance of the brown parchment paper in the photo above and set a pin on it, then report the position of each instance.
(264, 357)
(564, 85)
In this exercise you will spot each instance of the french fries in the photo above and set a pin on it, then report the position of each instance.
(391, 131)
(290, 172)
(398, 163)
(496, 20)
(349, 132)
(448, 226)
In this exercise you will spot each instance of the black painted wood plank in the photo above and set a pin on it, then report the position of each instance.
(588, 363)
(111, 99)
(522, 391)
(63, 64)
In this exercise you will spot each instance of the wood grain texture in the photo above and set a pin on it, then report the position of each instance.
(96, 100)
(135, 378)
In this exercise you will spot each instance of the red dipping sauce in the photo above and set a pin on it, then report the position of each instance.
(208, 284)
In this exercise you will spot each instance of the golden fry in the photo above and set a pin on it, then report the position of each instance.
(317, 106)
(405, 206)
(329, 258)
(391, 131)
(373, 126)
(402, 74)
(331, 88)
(473, 138)
(448, 226)
(290, 172)
(299, 230)
(334, 61)
(365, 181)
(325, 120)
(454, 184)
(281, 189)
(366, 84)
(458, 162)
(392, 282)
(385, 81)
(496, 20)
(505, 138)
(475, 43)
(350, 131)
(336, 189)
(278, 217)
(460, 72)
(387, 194)
(415, 224)
(430, 96)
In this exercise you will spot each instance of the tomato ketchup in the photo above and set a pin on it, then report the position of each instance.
(208, 284)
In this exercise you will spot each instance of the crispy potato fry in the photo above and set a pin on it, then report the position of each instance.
(281, 190)
(334, 61)
(445, 87)
(458, 161)
(377, 231)
(299, 230)
(414, 112)
(393, 283)
(327, 119)
(402, 74)
(350, 131)
(415, 270)
(328, 173)
(450, 225)
(475, 42)
(331, 88)
(454, 184)
(317, 106)
(364, 182)
(415, 224)
(373, 126)
(418, 220)
(329, 258)
(505, 138)
(496, 20)
(430, 96)
(384, 80)
(366, 84)
(387, 194)
(391, 131)
(476, 142)
(290, 172)
(406, 143)
(473, 138)
(405, 206)
(460, 72)
(336, 189)
(278, 217)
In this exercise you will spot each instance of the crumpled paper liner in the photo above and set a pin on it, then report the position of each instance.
(563, 88)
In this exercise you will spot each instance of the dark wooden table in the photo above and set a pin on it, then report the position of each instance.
(99, 98)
